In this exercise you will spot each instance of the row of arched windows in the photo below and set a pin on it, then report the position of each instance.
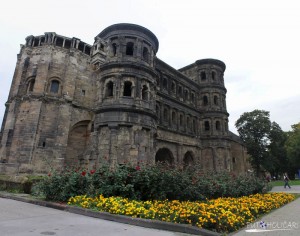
(178, 120)
(216, 100)
(127, 90)
(175, 119)
(54, 85)
(130, 50)
(206, 76)
(189, 96)
(178, 90)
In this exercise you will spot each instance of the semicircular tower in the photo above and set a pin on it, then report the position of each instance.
(212, 97)
(123, 58)
(214, 115)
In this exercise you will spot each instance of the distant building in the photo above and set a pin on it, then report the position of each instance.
(72, 103)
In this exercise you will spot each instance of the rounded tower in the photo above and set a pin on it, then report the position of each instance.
(212, 97)
(123, 57)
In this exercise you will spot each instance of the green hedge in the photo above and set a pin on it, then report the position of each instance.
(157, 182)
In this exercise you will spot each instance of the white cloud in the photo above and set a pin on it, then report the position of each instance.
(257, 40)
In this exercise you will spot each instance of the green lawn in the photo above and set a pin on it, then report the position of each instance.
(281, 183)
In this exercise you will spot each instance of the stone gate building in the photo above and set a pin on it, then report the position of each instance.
(75, 103)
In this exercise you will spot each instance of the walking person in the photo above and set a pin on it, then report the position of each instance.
(286, 180)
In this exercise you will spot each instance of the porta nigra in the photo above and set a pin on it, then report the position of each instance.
(72, 103)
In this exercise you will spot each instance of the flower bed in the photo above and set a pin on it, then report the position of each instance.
(221, 215)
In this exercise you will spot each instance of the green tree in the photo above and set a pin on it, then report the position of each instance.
(292, 146)
(254, 129)
(277, 161)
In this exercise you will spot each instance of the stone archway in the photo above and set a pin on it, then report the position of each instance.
(188, 159)
(77, 142)
(164, 155)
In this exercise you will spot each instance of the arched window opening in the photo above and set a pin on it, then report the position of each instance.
(129, 49)
(186, 94)
(158, 111)
(158, 81)
(218, 125)
(216, 100)
(173, 117)
(192, 97)
(165, 83)
(194, 126)
(181, 120)
(30, 85)
(173, 87)
(203, 76)
(206, 126)
(188, 122)
(127, 89)
(109, 89)
(54, 87)
(205, 100)
(179, 91)
(213, 75)
(233, 159)
(226, 125)
(145, 93)
(114, 49)
(145, 54)
(166, 114)
(101, 46)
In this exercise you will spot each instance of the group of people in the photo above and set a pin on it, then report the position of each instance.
(285, 179)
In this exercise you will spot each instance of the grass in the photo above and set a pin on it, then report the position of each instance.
(281, 183)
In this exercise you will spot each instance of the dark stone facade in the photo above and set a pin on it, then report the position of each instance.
(73, 103)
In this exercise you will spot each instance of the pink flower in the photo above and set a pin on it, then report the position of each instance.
(83, 173)
(138, 167)
(92, 172)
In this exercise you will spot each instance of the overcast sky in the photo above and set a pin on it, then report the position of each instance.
(258, 40)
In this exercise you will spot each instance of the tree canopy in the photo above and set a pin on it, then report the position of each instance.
(277, 160)
(254, 129)
(268, 146)
(292, 146)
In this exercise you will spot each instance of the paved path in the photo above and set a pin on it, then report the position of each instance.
(24, 219)
(284, 221)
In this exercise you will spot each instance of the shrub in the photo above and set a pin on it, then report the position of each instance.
(156, 182)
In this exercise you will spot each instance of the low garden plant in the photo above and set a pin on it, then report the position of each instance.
(223, 215)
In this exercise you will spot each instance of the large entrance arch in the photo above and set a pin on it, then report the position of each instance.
(164, 155)
(77, 142)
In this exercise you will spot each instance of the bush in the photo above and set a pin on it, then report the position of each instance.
(157, 182)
